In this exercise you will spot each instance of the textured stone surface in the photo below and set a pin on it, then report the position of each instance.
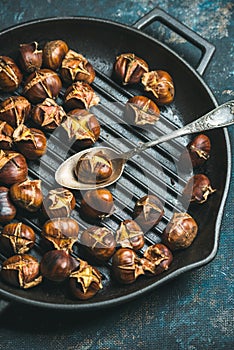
(196, 310)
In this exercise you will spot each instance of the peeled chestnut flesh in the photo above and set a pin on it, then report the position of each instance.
(198, 188)
(93, 167)
(85, 281)
(30, 58)
(10, 74)
(97, 204)
(157, 259)
(57, 265)
(31, 142)
(27, 195)
(13, 167)
(21, 271)
(99, 242)
(61, 233)
(148, 211)
(129, 68)
(59, 202)
(80, 95)
(7, 208)
(15, 110)
(82, 128)
(142, 110)
(130, 235)
(17, 238)
(160, 84)
(53, 53)
(6, 133)
(180, 232)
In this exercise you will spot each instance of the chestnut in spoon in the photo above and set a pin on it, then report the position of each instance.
(221, 116)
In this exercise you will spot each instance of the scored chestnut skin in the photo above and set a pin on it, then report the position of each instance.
(13, 167)
(27, 195)
(180, 232)
(80, 95)
(130, 235)
(199, 150)
(98, 242)
(141, 110)
(21, 271)
(59, 202)
(97, 204)
(10, 74)
(157, 259)
(129, 68)
(7, 208)
(198, 188)
(30, 58)
(17, 238)
(15, 110)
(54, 52)
(6, 133)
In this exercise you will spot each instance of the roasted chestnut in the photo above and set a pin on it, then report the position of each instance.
(30, 58)
(198, 150)
(126, 266)
(59, 202)
(57, 265)
(141, 110)
(53, 53)
(62, 233)
(10, 75)
(82, 128)
(27, 194)
(148, 211)
(97, 204)
(129, 68)
(15, 110)
(198, 188)
(93, 167)
(48, 114)
(7, 208)
(157, 258)
(13, 167)
(30, 142)
(99, 242)
(130, 235)
(6, 132)
(85, 281)
(17, 238)
(160, 84)
(80, 95)
(42, 84)
(180, 232)
(21, 271)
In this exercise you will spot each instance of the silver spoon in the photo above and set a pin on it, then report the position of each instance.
(221, 116)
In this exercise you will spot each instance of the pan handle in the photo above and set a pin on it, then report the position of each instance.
(179, 28)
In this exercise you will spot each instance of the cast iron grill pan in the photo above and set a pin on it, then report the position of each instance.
(155, 171)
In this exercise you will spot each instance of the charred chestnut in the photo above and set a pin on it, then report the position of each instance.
(30, 142)
(48, 114)
(80, 95)
(93, 167)
(27, 195)
(129, 68)
(180, 232)
(99, 242)
(76, 67)
(15, 110)
(148, 211)
(157, 258)
(13, 167)
(30, 58)
(17, 238)
(82, 128)
(126, 266)
(21, 271)
(199, 150)
(10, 75)
(57, 265)
(130, 235)
(59, 202)
(62, 233)
(160, 84)
(42, 84)
(6, 132)
(97, 204)
(142, 110)
(7, 208)
(198, 189)
(85, 281)
(53, 53)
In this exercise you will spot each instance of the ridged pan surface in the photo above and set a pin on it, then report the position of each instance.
(155, 171)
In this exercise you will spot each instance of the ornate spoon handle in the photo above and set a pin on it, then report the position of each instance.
(217, 118)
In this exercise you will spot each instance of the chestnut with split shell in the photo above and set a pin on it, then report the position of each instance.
(219, 117)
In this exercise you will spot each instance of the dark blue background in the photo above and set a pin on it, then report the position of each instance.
(196, 310)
